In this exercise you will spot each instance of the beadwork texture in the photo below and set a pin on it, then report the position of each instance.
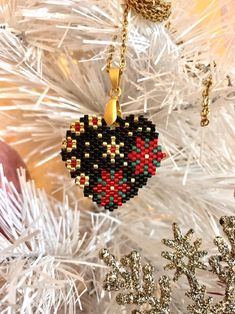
(111, 163)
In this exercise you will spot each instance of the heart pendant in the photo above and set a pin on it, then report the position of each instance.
(112, 163)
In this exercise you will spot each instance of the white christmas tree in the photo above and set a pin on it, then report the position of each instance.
(52, 65)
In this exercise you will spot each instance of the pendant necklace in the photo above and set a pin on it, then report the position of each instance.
(112, 157)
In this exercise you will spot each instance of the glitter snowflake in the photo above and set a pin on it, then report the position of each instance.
(138, 290)
(186, 258)
(223, 265)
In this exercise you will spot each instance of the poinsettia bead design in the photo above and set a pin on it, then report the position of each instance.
(146, 156)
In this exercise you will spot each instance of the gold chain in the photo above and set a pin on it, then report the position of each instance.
(124, 36)
(206, 101)
(153, 10)
(113, 109)
(110, 54)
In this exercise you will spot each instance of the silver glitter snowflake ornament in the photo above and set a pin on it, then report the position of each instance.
(136, 283)
(223, 265)
(183, 250)
(136, 286)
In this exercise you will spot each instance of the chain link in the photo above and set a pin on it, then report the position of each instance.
(110, 54)
(206, 101)
(153, 10)
(124, 37)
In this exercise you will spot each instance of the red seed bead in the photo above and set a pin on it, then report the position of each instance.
(69, 143)
(73, 163)
(77, 127)
(82, 180)
(113, 149)
(94, 121)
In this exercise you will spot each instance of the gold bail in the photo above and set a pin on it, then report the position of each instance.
(115, 76)
(113, 109)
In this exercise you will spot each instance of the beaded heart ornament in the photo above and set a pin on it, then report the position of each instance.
(112, 164)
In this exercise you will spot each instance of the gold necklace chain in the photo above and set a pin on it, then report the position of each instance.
(153, 10)
(124, 36)
(160, 11)
(207, 83)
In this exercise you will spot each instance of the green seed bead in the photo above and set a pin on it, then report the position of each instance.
(120, 182)
(137, 161)
(111, 198)
(99, 180)
(158, 164)
(159, 148)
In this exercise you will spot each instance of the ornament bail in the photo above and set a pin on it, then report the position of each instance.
(113, 109)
